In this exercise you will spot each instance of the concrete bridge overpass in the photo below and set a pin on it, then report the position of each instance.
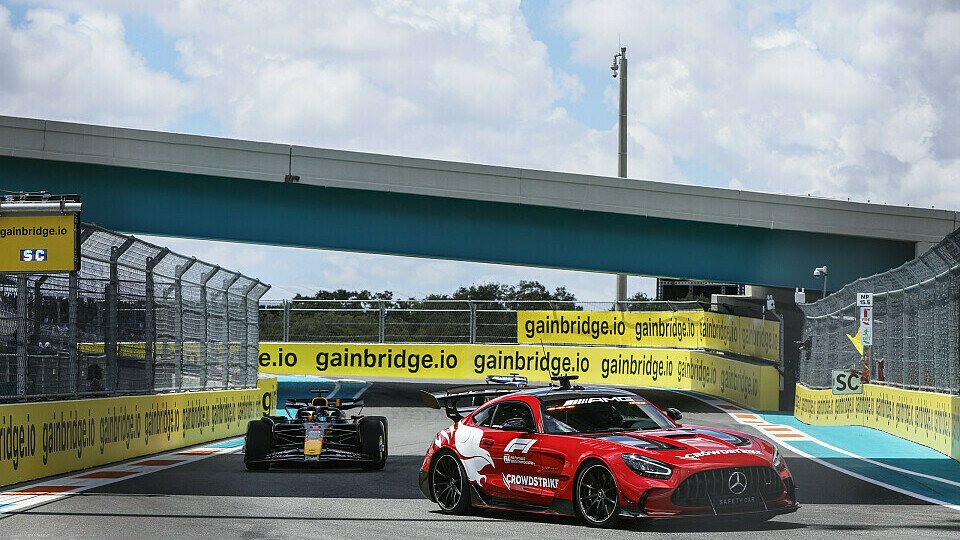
(204, 187)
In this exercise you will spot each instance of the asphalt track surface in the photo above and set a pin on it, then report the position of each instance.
(217, 498)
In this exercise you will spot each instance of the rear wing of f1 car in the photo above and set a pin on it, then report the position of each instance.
(342, 404)
(462, 400)
(343, 394)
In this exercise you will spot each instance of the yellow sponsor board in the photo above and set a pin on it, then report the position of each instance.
(55, 437)
(750, 384)
(669, 329)
(38, 244)
(927, 418)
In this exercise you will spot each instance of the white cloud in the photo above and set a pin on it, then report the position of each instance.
(855, 99)
(80, 68)
(842, 99)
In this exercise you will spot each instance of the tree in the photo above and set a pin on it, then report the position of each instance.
(355, 315)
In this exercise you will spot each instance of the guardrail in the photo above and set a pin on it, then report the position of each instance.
(429, 321)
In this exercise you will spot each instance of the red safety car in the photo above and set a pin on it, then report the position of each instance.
(597, 453)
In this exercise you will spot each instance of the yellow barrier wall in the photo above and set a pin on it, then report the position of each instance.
(55, 437)
(672, 329)
(923, 417)
(752, 385)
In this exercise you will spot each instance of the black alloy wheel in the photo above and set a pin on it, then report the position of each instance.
(596, 496)
(450, 485)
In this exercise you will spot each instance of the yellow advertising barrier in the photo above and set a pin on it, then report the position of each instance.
(38, 244)
(669, 329)
(55, 437)
(926, 418)
(752, 385)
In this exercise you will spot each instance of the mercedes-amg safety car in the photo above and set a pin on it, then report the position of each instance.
(597, 453)
(318, 430)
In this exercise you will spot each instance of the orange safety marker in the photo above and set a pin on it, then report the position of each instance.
(108, 474)
(44, 490)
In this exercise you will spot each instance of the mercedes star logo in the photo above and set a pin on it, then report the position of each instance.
(737, 483)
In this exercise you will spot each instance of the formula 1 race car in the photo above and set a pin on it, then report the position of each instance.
(317, 430)
(596, 453)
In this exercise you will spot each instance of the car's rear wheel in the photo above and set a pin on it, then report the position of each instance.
(257, 445)
(373, 442)
(596, 497)
(449, 484)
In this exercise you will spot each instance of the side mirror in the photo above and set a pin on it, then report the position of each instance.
(674, 414)
(517, 424)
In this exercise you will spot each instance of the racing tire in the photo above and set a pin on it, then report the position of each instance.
(596, 498)
(373, 442)
(448, 482)
(257, 445)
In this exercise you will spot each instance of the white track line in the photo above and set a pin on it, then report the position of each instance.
(740, 415)
(23, 497)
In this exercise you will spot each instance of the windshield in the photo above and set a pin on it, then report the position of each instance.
(602, 413)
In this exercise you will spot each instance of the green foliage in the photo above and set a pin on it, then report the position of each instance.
(355, 315)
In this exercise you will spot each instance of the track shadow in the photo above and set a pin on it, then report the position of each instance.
(226, 476)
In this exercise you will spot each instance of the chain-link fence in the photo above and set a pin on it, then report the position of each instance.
(426, 321)
(916, 308)
(136, 318)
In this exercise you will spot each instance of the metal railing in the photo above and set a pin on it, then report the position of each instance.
(425, 321)
(136, 318)
(916, 309)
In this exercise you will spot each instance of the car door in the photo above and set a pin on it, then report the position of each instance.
(518, 475)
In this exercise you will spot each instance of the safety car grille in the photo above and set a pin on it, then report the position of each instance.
(699, 489)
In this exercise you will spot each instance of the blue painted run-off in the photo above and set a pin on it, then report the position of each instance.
(213, 207)
(229, 443)
(883, 448)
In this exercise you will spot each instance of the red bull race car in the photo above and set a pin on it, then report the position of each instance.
(318, 430)
(597, 453)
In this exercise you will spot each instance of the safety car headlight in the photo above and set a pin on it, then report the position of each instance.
(777, 459)
(645, 466)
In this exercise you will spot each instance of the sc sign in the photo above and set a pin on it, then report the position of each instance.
(845, 382)
(28, 255)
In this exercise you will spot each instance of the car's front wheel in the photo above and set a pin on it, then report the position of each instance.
(596, 497)
(449, 483)
(257, 445)
(373, 442)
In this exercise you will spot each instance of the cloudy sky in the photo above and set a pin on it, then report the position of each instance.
(838, 99)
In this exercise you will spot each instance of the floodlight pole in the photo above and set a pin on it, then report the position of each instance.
(620, 65)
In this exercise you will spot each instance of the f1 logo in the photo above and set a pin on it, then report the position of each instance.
(520, 445)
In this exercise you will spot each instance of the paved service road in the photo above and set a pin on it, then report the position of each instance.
(217, 498)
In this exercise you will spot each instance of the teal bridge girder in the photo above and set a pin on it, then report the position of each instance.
(219, 189)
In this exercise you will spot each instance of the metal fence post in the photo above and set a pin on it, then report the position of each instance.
(203, 310)
(110, 329)
(149, 324)
(178, 340)
(226, 296)
(37, 303)
(22, 335)
(382, 321)
(73, 369)
(246, 346)
(286, 321)
(473, 321)
(111, 343)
